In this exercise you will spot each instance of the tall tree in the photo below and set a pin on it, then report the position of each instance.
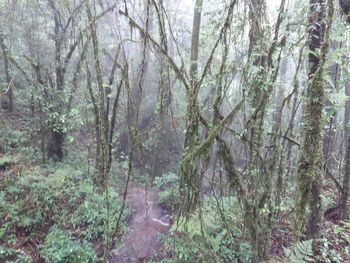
(9, 79)
(190, 173)
(309, 178)
(56, 131)
(345, 6)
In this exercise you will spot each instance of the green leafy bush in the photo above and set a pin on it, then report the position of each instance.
(169, 185)
(36, 198)
(91, 215)
(60, 247)
(10, 255)
(10, 139)
(210, 240)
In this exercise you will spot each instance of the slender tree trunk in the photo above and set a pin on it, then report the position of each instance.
(158, 160)
(256, 94)
(56, 134)
(189, 174)
(346, 178)
(346, 185)
(102, 158)
(9, 80)
(309, 179)
(347, 113)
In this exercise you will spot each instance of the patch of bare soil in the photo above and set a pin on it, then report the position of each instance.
(149, 220)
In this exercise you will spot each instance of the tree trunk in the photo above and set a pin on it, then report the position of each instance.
(9, 80)
(102, 126)
(346, 185)
(347, 114)
(189, 183)
(309, 179)
(256, 224)
(55, 147)
(159, 161)
(56, 139)
(346, 180)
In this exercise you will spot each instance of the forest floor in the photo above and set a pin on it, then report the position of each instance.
(146, 225)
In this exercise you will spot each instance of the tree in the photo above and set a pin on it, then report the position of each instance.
(309, 178)
(190, 173)
(56, 130)
(9, 79)
(55, 100)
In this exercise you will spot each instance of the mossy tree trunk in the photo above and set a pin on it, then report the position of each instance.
(189, 181)
(103, 160)
(345, 6)
(257, 95)
(9, 79)
(309, 178)
(105, 106)
(258, 208)
(164, 99)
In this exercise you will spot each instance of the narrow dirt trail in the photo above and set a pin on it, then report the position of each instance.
(147, 222)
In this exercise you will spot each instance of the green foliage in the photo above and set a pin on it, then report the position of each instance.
(60, 247)
(91, 214)
(36, 198)
(10, 255)
(208, 239)
(57, 117)
(169, 186)
(337, 240)
(301, 252)
(12, 139)
(337, 98)
(5, 160)
(166, 180)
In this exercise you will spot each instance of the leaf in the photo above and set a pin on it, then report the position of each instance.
(302, 252)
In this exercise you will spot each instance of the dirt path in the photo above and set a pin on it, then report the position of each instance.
(148, 221)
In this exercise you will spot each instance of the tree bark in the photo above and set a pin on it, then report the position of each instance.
(309, 180)
(346, 179)
(346, 185)
(9, 80)
(189, 183)
(56, 139)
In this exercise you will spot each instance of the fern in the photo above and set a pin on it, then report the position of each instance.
(301, 252)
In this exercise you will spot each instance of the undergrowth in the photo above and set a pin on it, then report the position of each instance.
(52, 212)
(208, 238)
(168, 185)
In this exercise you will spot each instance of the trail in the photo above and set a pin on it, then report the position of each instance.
(148, 221)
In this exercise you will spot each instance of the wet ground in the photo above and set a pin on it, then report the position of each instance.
(148, 221)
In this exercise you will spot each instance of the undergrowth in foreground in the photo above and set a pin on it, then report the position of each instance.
(52, 212)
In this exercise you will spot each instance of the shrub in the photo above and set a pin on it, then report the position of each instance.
(211, 241)
(169, 195)
(12, 139)
(10, 255)
(91, 214)
(60, 247)
(36, 198)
